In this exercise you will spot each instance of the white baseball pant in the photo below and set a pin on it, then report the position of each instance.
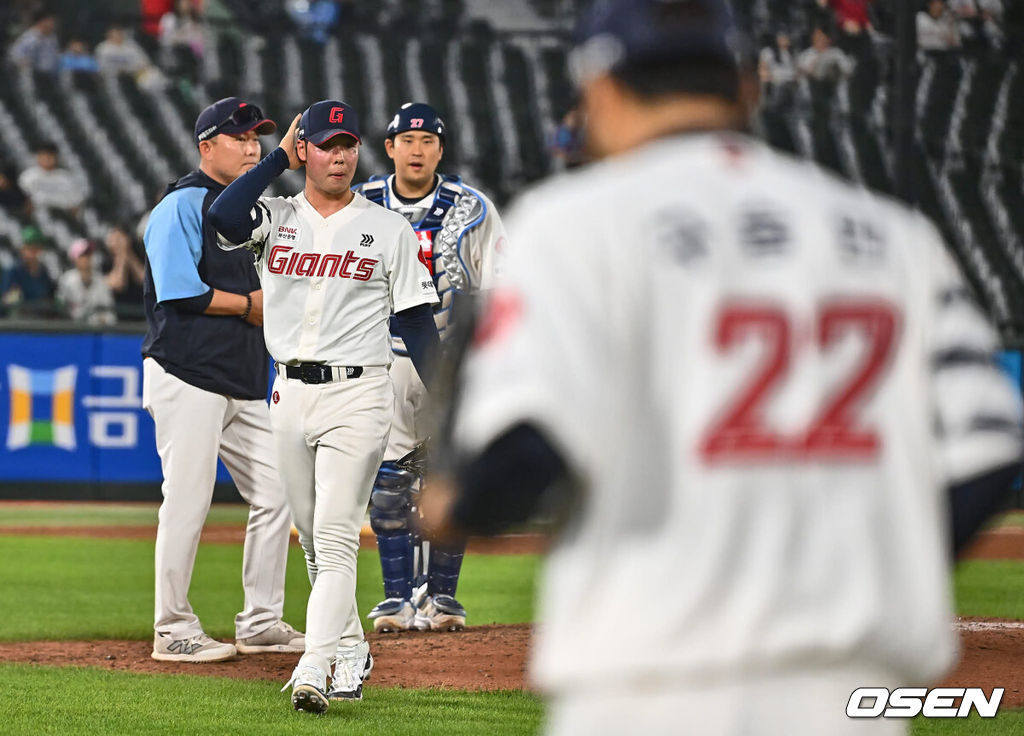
(330, 440)
(193, 427)
(408, 426)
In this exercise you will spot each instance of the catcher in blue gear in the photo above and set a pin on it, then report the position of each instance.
(461, 242)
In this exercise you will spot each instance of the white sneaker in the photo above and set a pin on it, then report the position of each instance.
(393, 614)
(199, 648)
(309, 689)
(280, 637)
(351, 666)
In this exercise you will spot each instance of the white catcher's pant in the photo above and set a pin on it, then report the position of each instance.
(193, 426)
(409, 424)
(330, 440)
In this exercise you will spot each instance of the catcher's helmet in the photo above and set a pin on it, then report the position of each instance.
(416, 116)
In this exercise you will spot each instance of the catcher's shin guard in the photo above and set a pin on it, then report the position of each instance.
(396, 564)
(390, 510)
(445, 565)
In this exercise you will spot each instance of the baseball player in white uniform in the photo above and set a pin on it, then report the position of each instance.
(770, 390)
(461, 239)
(334, 267)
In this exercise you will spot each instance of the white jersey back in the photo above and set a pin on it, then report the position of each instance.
(765, 379)
(334, 281)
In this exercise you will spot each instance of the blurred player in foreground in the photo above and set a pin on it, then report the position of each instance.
(770, 390)
(334, 267)
(461, 237)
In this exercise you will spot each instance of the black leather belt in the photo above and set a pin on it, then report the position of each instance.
(320, 373)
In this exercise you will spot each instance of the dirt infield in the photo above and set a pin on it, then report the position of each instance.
(482, 658)
(991, 657)
(479, 658)
(1004, 543)
(485, 657)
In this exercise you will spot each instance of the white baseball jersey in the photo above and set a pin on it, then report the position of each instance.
(476, 239)
(335, 281)
(765, 380)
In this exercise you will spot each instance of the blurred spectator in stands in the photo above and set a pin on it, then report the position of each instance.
(49, 185)
(27, 288)
(76, 58)
(820, 15)
(822, 66)
(937, 31)
(314, 18)
(853, 23)
(120, 54)
(182, 40)
(12, 199)
(126, 274)
(823, 62)
(82, 292)
(777, 71)
(152, 12)
(36, 48)
(979, 23)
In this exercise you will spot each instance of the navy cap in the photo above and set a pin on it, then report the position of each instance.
(231, 116)
(417, 116)
(614, 34)
(325, 119)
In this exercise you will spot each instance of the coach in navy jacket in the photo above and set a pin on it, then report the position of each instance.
(205, 384)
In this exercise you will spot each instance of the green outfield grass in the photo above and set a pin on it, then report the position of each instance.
(990, 588)
(1007, 723)
(1010, 518)
(106, 514)
(84, 588)
(71, 701)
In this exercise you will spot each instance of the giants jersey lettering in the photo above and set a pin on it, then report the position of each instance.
(480, 250)
(284, 259)
(335, 281)
(754, 368)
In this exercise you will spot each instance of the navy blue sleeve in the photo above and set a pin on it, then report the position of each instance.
(230, 212)
(508, 482)
(416, 326)
(194, 304)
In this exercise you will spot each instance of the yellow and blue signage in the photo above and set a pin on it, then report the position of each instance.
(71, 410)
(42, 407)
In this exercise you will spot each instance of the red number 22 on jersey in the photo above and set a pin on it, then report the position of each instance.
(741, 432)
